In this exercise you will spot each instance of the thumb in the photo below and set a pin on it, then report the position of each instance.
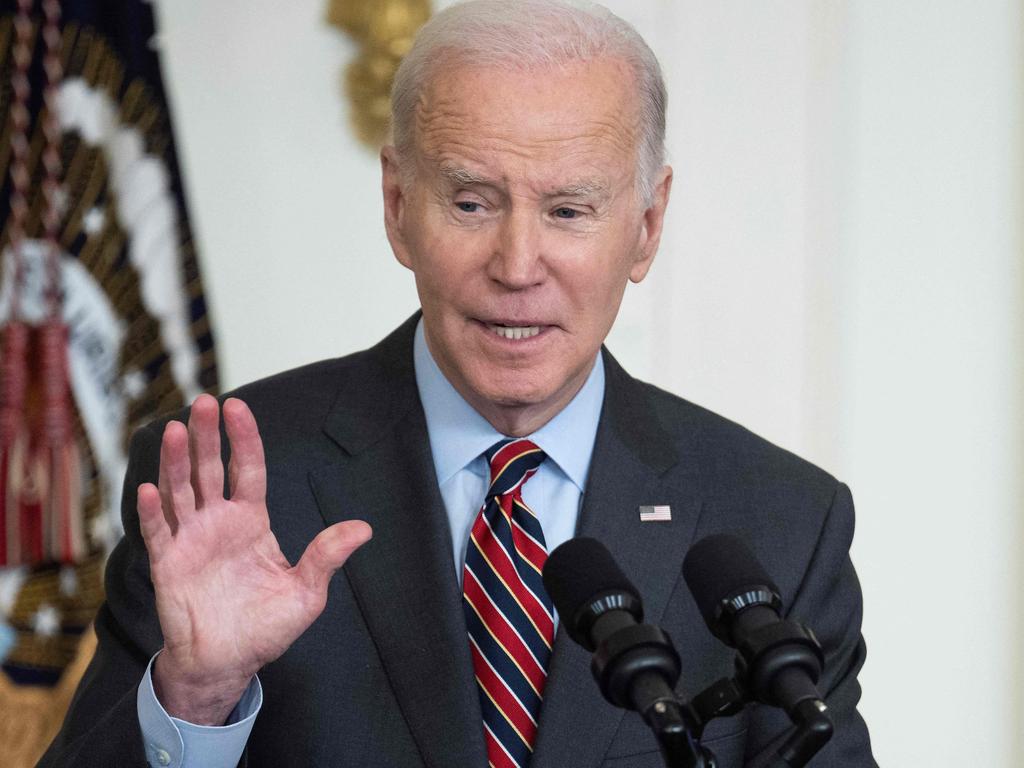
(330, 549)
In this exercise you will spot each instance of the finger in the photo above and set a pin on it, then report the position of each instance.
(179, 502)
(156, 531)
(204, 450)
(329, 551)
(247, 472)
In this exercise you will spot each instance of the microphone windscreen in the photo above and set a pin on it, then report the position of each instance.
(718, 567)
(579, 570)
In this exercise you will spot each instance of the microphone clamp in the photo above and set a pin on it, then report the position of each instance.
(581, 626)
(639, 649)
(770, 653)
(729, 607)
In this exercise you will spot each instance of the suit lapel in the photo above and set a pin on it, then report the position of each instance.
(404, 580)
(632, 455)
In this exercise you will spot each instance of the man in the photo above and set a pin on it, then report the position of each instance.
(525, 188)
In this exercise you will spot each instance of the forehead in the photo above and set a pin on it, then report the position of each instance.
(577, 118)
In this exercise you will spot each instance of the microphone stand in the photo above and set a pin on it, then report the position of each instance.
(812, 726)
(673, 725)
(637, 667)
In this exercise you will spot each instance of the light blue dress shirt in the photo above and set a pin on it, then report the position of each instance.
(459, 436)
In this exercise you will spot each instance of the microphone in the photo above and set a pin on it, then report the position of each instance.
(780, 661)
(598, 604)
(590, 591)
(635, 664)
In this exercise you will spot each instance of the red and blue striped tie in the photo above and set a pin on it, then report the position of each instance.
(508, 613)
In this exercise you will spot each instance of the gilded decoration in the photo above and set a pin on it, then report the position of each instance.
(385, 30)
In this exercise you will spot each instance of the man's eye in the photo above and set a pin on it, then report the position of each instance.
(566, 213)
(468, 207)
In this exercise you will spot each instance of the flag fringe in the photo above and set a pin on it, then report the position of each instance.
(40, 476)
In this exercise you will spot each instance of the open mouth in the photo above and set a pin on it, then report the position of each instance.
(515, 332)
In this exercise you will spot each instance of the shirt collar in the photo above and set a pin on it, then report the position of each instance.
(459, 435)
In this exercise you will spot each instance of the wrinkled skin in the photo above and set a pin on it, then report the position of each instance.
(519, 207)
(227, 599)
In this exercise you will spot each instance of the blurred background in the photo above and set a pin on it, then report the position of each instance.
(842, 272)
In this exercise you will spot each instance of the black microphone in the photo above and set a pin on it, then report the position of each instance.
(591, 593)
(779, 661)
(635, 664)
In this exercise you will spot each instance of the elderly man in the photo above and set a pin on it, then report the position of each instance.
(525, 188)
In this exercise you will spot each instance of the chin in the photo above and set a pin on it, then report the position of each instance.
(515, 399)
(522, 395)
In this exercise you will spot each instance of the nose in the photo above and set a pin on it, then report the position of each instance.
(517, 261)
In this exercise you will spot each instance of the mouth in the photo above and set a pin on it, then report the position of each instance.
(514, 332)
(513, 328)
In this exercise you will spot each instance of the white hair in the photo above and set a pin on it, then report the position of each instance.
(530, 34)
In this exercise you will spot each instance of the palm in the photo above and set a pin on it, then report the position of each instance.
(228, 595)
(227, 599)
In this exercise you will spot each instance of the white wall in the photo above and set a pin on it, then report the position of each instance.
(285, 202)
(841, 272)
(931, 341)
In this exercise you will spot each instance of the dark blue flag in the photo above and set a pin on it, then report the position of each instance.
(99, 247)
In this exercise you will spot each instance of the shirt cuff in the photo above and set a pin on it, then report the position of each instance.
(173, 743)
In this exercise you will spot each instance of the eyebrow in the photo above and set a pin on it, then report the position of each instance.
(582, 188)
(459, 176)
(463, 177)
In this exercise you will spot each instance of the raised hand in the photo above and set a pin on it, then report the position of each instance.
(227, 599)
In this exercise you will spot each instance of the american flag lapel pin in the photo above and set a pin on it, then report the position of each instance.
(662, 513)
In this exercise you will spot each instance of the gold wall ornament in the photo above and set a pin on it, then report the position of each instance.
(385, 29)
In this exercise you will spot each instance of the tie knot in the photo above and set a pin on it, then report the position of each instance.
(513, 462)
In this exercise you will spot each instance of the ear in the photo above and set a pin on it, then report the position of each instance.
(394, 204)
(653, 222)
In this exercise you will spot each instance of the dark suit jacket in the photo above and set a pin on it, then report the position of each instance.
(384, 677)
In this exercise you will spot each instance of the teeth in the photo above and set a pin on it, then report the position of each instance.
(515, 332)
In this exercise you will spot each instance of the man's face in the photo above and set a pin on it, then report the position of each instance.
(518, 214)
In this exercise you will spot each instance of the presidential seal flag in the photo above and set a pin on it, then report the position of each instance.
(104, 325)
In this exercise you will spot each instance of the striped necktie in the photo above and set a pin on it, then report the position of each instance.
(508, 614)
